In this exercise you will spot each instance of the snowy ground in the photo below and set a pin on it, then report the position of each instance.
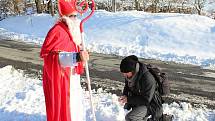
(22, 100)
(169, 37)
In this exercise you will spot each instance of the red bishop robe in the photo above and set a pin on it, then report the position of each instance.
(56, 80)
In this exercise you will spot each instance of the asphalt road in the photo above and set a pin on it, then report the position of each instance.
(188, 83)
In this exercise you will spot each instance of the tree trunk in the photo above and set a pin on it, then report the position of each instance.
(51, 8)
(199, 11)
(144, 2)
(38, 6)
(137, 5)
(114, 5)
(15, 7)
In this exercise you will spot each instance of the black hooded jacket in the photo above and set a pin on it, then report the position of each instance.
(144, 92)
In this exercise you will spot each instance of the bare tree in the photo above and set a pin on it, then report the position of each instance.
(155, 5)
(4, 8)
(169, 5)
(38, 6)
(144, 4)
(12, 7)
(137, 4)
(114, 5)
(18, 7)
(199, 4)
(183, 3)
(51, 8)
(15, 6)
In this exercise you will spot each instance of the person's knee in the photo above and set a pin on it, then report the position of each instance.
(127, 118)
(137, 114)
(130, 116)
(133, 117)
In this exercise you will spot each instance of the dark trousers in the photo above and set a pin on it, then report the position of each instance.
(137, 114)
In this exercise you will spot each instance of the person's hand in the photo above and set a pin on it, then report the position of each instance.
(123, 99)
(84, 55)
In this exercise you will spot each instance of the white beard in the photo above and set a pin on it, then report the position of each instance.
(74, 29)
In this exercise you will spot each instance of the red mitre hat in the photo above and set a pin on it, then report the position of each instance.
(66, 7)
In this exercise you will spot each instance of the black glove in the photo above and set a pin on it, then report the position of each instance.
(78, 57)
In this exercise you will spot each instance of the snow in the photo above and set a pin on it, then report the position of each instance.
(181, 38)
(22, 99)
(209, 6)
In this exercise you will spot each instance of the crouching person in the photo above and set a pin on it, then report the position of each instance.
(140, 92)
